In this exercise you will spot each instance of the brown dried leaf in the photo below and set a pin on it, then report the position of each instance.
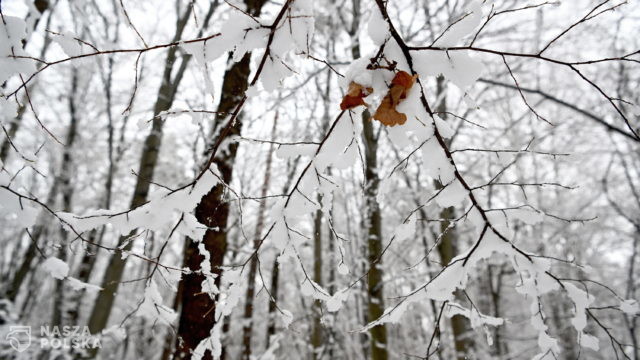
(403, 79)
(400, 86)
(355, 96)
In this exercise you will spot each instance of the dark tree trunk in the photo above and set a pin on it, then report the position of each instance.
(317, 336)
(197, 315)
(198, 309)
(373, 218)
(271, 321)
(67, 192)
(375, 285)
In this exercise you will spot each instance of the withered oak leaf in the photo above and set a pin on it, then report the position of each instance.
(400, 86)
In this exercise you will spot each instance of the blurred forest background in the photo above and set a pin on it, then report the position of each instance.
(550, 148)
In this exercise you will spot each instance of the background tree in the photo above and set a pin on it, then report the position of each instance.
(361, 179)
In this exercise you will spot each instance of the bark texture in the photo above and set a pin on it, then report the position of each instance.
(373, 219)
(197, 315)
(373, 223)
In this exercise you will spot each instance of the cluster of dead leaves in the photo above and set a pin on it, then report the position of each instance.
(386, 112)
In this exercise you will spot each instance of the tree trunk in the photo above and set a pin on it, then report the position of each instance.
(330, 341)
(67, 191)
(148, 160)
(197, 316)
(90, 253)
(373, 219)
(198, 309)
(463, 342)
(317, 331)
(373, 222)
(500, 347)
(271, 321)
(447, 250)
(630, 320)
(253, 266)
(31, 251)
(15, 123)
(317, 336)
(38, 231)
(25, 266)
(275, 269)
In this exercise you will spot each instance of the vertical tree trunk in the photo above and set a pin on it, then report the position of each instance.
(247, 324)
(630, 320)
(66, 190)
(12, 262)
(463, 342)
(317, 336)
(89, 255)
(500, 347)
(423, 230)
(167, 351)
(41, 6)
(330, 341)
(31, 251)
(275, 268)
(374, 242)
(148, 160)
(447, 250)
(363, 310)
(373, 219)
(198, 309)
(271, 321)
(317, 331)
(197, 315)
